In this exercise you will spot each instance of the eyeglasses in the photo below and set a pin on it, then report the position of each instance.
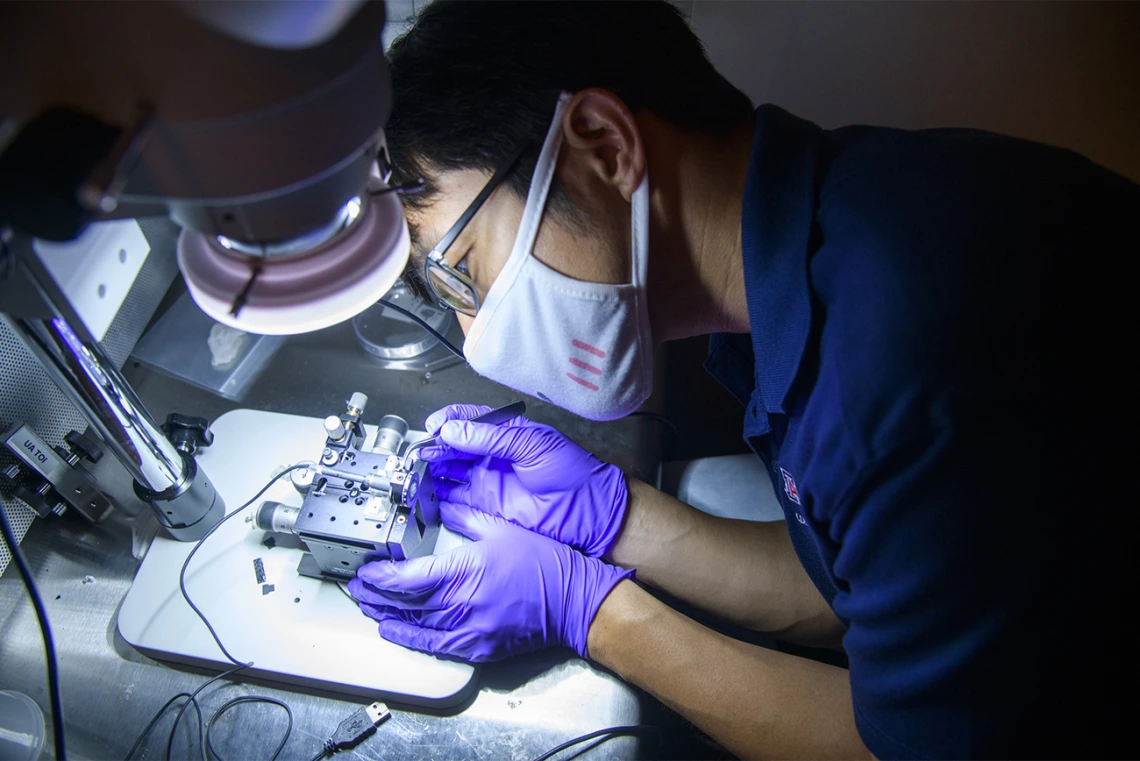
(450, 286)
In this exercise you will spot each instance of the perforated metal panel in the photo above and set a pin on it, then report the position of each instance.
(28, 395)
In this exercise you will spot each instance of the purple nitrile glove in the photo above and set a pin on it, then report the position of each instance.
(530, 474)
(508, 593)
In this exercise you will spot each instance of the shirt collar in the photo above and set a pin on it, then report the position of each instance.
(776, 226)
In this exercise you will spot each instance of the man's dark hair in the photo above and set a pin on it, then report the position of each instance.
(472, 81)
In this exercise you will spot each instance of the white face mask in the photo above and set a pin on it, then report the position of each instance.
(583, 346)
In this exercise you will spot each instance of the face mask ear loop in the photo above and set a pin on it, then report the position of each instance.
(523, 247)
(639, 241)
(639, 237)
(540, 183)
(537, 194)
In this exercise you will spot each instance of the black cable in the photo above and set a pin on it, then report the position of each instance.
(249, 699)
(609, 733)
(158, 714)
(193, 695)
(209, 627)
(659, 418)
(182, 573)
(358, 728)
(323, 752)
(45, 632)
(432, 331)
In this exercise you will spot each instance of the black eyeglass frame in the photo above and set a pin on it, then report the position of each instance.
(436, 257)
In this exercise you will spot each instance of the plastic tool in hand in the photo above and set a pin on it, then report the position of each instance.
(494, 417)
(530, 474)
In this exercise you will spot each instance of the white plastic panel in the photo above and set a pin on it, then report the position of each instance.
(97, 269)
(306, 631)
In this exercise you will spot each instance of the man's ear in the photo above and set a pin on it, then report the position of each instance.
(599, 127)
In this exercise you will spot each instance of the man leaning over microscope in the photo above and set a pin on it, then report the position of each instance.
(923, 329)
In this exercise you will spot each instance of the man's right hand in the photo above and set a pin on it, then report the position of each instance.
(529, 474)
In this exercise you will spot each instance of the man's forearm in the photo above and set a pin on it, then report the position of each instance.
(742, 571)
(758, 703)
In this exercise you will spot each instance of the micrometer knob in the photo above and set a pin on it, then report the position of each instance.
(334, 427)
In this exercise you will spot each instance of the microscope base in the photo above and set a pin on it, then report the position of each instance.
(302, 631)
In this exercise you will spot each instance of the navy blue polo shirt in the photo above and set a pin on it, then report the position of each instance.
(938, 380)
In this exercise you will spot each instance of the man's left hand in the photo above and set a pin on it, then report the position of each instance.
(509, 592)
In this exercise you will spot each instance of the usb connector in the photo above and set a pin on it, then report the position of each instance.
(355, 728)
(358, 726)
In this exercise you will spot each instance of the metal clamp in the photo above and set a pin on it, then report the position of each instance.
(51, 480)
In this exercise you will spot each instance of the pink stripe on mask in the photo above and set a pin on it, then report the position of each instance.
(586, 347)
(583, 381)
(585, 366)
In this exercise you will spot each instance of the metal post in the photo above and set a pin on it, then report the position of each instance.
(183, 499)
(102, 395)
(170, 481)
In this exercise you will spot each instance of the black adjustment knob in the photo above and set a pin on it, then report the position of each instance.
(84, 446)
(39, 500)
(187, 433)
(31, 489)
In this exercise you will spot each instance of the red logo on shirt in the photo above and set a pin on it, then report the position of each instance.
(790, 487)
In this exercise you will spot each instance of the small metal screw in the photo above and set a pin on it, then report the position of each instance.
(343, 498)
(401, 519)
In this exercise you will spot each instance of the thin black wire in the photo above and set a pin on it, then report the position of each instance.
(45, 632)
(186, 564)
(324, 752)
(609, 733)
(193, 695)
(659, 418)
(158, 715)
(201, 615)
(249, 699)
(434, 333)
